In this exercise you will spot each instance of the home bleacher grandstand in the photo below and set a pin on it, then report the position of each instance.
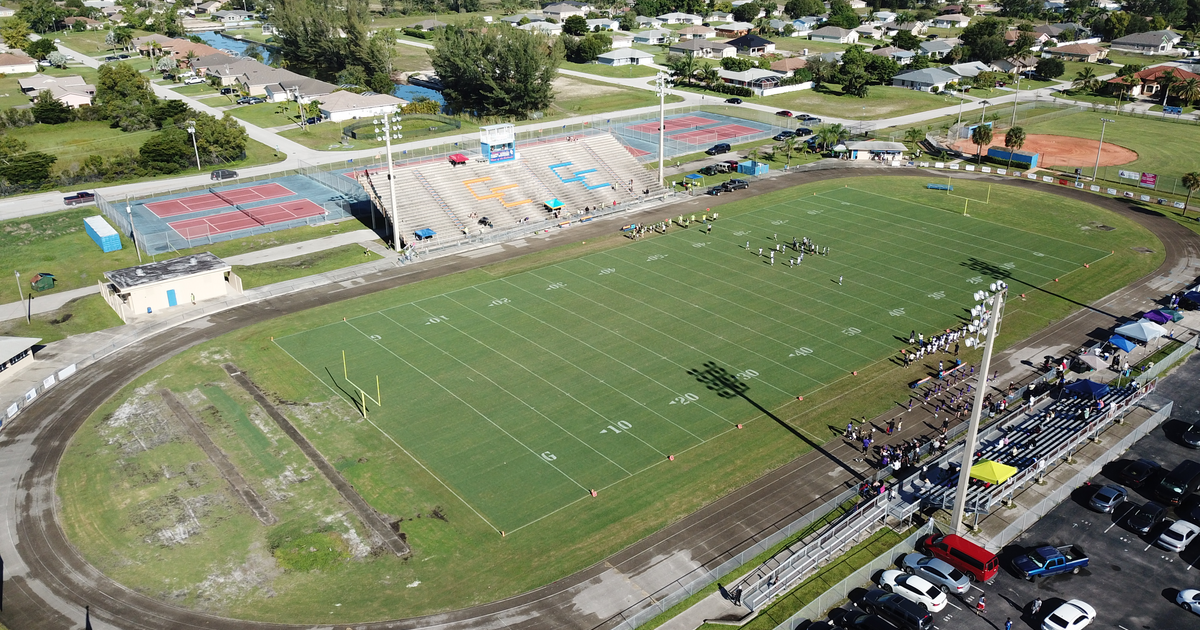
(561, 178)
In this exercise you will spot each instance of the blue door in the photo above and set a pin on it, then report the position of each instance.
(171, 297)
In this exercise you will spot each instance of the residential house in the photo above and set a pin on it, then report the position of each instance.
(516, 18)
(88, 23)
(12, 63)
(681, 18)
(621, 39)
(646, 22)
(754, 78)
(654, 37)
(1078, 52)
(296, 87)
(733, 29)
(950, 8)
(936, 49)
(857, 4)
(342, 105)
(1054, 6)
(626, 57)
(603, 24)
(869, 32)
(176, 47)
(1039, 39)
(71, 91)
(430, 25)
(269, 29)
(73, 96)
(926, 80)
(834, 34)
(883, 17)
(1016, 65)
(227, 71)
(233, 16)
(697, 32)
(209, 7)
(1149, 42)
(806, 25)
(7, 12)
(720, 16)
(969, 69)
(549, 28)
(779, 25)
(899, 55)
(562, 11)
(917, 28)
(752, 45)
(703, 48)
(789, 65)
(1150, 78)
(953, 20)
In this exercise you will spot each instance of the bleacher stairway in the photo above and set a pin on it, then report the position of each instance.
(584, 172)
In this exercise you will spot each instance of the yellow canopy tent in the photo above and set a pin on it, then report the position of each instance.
(992, 472)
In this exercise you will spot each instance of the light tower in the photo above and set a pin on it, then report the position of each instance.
(389, 126)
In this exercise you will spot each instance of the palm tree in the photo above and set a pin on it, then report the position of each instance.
(1191, 181)
(982, 135)
(1085, 80)
(753, 155)
(1167, 82)
(1013, 141)
(830, 135)
(788, 147)
(913, 136)
(1189, 90)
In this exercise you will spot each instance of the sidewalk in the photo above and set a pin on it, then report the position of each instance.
(44, 303)
(304, 247)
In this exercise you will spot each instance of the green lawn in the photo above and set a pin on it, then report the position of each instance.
(266, 115)
(1124, 58)
(1163, 147)
(605, 70)
(327, 136)
(1159, 108)
(881, 102)
(411, 58)
(197, 90)
(1074, 67)
(252, 34)
(72, 142)
(81, 315)
(1030, 84)
(91, 43)
(499, 382)
(799, 44)
(306, 265)
(584, 97)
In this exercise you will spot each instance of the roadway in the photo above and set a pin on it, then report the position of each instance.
(49, 582)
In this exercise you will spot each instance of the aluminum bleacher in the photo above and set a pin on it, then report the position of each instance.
(583, 172)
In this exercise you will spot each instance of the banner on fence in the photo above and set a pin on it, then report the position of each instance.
(1047, 179)
(1094, 188)
(48, 382)
(1149, 180)
(1144, 197)
(65, 372)
(13, 409)
(1123, 174)
(1111, 191)
(1127, 194)
(1179, 204)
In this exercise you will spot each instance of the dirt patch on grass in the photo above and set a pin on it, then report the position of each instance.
(568, 88)
(234, 582)
(1061, 150)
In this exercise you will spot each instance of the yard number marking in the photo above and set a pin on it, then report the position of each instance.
(548, 456)
(747, 375)
(1009, 265)
(740, 233)
(814, 211)
(655, 257)
(556, 285)
(975, 280)
(607, 270)
(499, 301)
(374, 337)
(1038, 254)
(896, 312)
(802, 351)
(699, 244)
(779, 222)
(937, 295)
(437, 320)
(851, 331)
(685, 399)
(620, 423)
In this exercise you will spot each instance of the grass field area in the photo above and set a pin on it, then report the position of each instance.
(410, 58)
(883, 101)
(199, 90)
(266, 115)
(73, 141)
(91, 43)
(799, 44)
(511, 391)
(327, 136)
(81, 315)
(306, 265)
(605, 70)
(1163, 147)
(1125, 58)
(584, 97)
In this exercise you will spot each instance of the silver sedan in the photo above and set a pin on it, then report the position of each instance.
(941, 574)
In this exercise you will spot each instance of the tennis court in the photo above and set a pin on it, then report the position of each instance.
(689, 133)
(672, 124)
(523, 394)
(217, 199)
(722, 132)
(245, 219)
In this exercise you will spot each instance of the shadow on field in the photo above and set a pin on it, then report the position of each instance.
(728, 385)
(999, 273)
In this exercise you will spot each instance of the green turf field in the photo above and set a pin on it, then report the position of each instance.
(522, 395)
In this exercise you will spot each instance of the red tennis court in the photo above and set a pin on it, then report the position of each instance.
(249, 218)
(209, 201)
(724, 132)
(636, 152)
(671, 124)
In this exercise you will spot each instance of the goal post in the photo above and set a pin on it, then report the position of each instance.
(363, 396)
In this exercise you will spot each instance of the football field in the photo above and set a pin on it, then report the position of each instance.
(522, 395)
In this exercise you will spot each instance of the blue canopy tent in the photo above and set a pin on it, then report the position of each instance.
(553, 204)
(425, 233)
(1122, 343)
(1085, 387)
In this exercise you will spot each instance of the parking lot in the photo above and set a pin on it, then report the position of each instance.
(1131, 583)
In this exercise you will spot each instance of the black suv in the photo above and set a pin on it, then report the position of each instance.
(710, 170)
(224, 173)
(734, 101)
(736, 184)
(1191, 436)
(719, 148)
(896, 609)
(783, 135)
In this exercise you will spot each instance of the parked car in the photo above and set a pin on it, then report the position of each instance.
(228, 90)
(783, 135)
(784, 112)
(715, 190)
(312, 120)
(1046, 561)
(250, 100)
(1189, 599)
(804, 131)
(734, 101)
(732, 164)
(978, 563)
(914, 588)
(79, 197)
(736, 184)
(1183, 480)
(812, 120)
(1178, 536)
(193, 81)
(224, 173)
(1107, 498)
(1135, 473)
(940, 574)
(1191, 436)
(1071, 615)
(719, 148)
(867, 622)
(1143, 518)
(898, 610)
(710, 170)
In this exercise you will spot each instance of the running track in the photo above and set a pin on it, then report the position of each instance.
(43, 564)
(209, 201)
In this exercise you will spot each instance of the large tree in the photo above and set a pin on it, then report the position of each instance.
(15, 32)
(843, 15)
(219, 140)
(1050, 67)
(27, 170)
(801, 8)
(311, 41)
(981, 136)
(49, 110)
(489, 71)
(1191, 181)
(1014, 139)
(168, 151)
(42, 15)
(906, 40)
(123, 96)
(985, 39)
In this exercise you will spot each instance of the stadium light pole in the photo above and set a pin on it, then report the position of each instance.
(661, 82)
(132, 233)
(1096, 169)
(983, 116)
(389, 127)
(1000, 290)
(1016, 96)
(191, 127)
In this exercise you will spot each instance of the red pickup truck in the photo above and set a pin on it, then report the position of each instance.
(79, 197)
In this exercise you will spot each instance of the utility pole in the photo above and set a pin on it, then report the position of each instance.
(191, 127)
(387, 125)
(661, 82)
(1103, 123)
